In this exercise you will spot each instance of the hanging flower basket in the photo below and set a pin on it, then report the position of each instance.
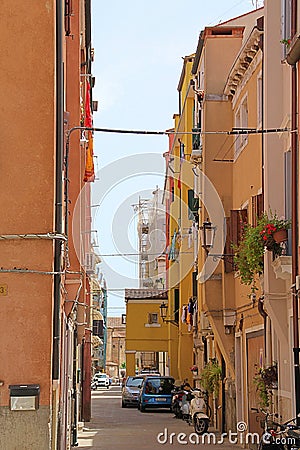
(265, 380)
(280, 236)
(194, 370)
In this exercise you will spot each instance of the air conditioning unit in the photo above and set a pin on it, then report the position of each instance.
(89, 263)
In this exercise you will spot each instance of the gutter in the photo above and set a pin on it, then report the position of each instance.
(292, 59)
(58, 191)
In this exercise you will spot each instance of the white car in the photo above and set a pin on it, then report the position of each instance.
(101, 380)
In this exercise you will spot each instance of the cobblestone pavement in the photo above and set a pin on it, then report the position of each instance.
(114, 428)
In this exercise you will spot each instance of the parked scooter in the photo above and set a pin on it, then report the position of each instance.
(199, 418)
(194, 410)
(177, 402)
(186, 406)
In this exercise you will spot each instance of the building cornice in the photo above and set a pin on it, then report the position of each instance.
(246, 55)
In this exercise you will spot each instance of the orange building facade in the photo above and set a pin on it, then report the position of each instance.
(44, 341)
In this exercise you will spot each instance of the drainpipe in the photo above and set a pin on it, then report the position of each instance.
(74, 419)
(58, 191)
(58, 223)
(294, 144)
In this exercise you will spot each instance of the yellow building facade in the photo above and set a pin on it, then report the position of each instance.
(146, 344)
(181, 256)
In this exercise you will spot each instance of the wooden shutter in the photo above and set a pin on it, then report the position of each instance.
(238, 217)
(257, 208)
(68, 14)
(234, 224)
(228, 250)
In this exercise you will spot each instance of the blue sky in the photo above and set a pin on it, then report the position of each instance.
(139, 47)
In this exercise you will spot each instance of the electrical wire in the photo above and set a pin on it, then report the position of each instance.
(233, 143)
(38, 272)
(140, 254)
(219, 18)
(176, 132)
(221, 147)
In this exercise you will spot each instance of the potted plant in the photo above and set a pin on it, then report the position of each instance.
(265, 380)
(194, 369)
(210, 377)
(275, 230)
(286, 42)
(249, 254)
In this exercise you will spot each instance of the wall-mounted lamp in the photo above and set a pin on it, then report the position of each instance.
(163, 314)
(207, 235)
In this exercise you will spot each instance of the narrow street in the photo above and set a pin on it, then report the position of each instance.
(114, 428)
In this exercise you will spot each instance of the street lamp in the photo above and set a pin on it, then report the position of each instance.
(207, 235)
(163, 314)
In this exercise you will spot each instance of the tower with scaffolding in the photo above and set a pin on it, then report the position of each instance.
(151, 241)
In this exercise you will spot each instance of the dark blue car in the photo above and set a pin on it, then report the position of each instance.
(156, 393)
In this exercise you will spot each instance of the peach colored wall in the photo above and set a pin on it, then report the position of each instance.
(220, 52)
(27, 90)
(77, 152)
(247, 172)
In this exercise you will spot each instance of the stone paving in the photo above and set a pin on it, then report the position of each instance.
(116, 428)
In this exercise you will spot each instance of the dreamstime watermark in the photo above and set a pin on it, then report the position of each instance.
(238, 437)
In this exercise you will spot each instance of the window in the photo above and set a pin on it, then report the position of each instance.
(193, 203)
(98, 328)
(241, 122)
(152, 318)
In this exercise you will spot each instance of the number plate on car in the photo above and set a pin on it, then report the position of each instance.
(159, 399)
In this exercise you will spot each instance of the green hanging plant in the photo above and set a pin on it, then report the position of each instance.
(210, 377)
(265, 380)
(249, 254)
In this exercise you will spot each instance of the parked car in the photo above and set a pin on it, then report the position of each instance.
(156, 392)
(131, 390)
(101, 380)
